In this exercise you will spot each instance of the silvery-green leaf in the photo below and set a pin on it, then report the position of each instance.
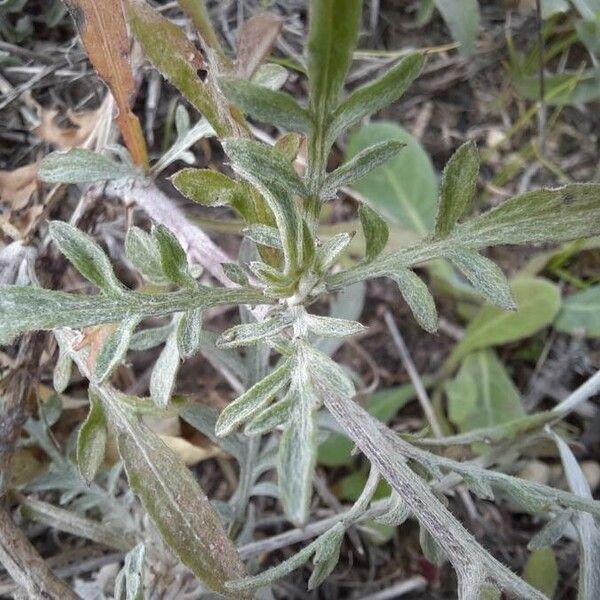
(331, 327)
(62, 372)
(397, 512)
(270, 75)
(82, 166)
(271, 417)
(359, 165)
(189, 333)
(418, 298)
(326, 555)
(296, 459)
(86, 256)
(206, 186)
(322, 368)
(173, 257)
(587, 527)
(431, 549)
(463, 20)
(552, 531)
(269, 274)
(91, 440)
(162, 380)
(263, 235)
(485, 276)
(106, 533)
(273, 175)
(489, 592)
(289, 145)
(129, 583)
(481, 488)
(580, 313)
(458, 188)
(250, 333)
(251, 401)
(377, 94)
(186, 138)
(267, 105)
(235, 273)
(142, 250)
(114, 348)
(274, 573)
(150, 338)
(328, 253)
(375, 230)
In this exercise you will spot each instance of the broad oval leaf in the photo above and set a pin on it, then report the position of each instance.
(580, 313)
(86, 256)
(405, 189)
(142, 250)
(538, 302)
(462, 18)
(205, 186)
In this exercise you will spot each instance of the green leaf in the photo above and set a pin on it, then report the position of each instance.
(176, 57)
(329, 252)
(462, 18)
(114, 348)
(376, 94)
(360, 165)
(206, 186)
(405, 189)
(431, 549)
(91, 440)
(129, 583)
(417, 296)
(189, 333)
(179, 508)
(331, 327)
(296, 457)
(142, 250)
(482, 394)
(485, 276)
(162, 380)
(254, 399)
(326, 556)
(459, 182)
(580, 313)
(541, 571)
(235, 273)
(150, 338)
(271, 417)
(332, 37)
(263, 235)
(82, 166)
(268, 106)
(538, 302)
(61, 375)
(86, 256)
(273, 175)
(375, 230)
(173, 258)
(250, 333)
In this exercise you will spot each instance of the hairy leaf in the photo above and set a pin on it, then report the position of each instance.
(331, 327)
(376, 232)
(87, 256)
(189, 333)
(328, 253)
(417, 296)
(250, 333)
(580, 313)
(205, 186)
(91, 440)
(326, 556)
(142, 250)
(268, 106)
(458, 188)
(271, 417)
(377, 94)
(114, 348)
(485, 276)
(173, 258)
(162, 380)
(129, 583)
(78, 165)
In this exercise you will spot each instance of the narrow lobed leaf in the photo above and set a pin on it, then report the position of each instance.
(251, 401)
(418, 298)
(375, 230)
(78, 165)
(458, 188)
(86, 256)
(360, 165)
(377, 94)
(329, 252)
(189, 333)
(114, 348)
(173, 257)
(326, 556)
(271, 417)
(91, 440)
(267, 106)
(250, 333)
(332, 327)
(485, 276)
(162, 380)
